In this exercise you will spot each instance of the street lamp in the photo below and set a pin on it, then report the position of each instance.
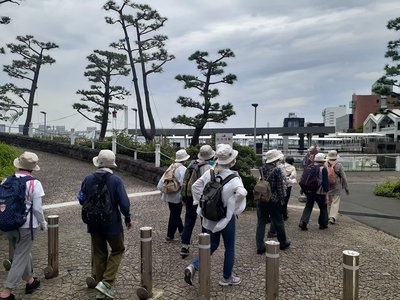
(45, 125)
(255, 124)
(135, 110)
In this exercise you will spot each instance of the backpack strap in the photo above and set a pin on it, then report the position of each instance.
(228, 178)
(261, 173)
(212, 174)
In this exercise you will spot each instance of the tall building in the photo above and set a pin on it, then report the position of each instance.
(330, 114)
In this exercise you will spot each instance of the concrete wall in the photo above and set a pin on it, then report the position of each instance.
(138, 168)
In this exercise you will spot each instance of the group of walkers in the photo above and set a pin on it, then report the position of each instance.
(105, 191)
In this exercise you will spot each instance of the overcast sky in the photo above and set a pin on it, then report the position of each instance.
(291, 56)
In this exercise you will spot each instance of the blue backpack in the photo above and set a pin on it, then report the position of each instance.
(13, 211)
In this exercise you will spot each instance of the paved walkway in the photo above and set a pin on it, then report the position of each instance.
(310, 269)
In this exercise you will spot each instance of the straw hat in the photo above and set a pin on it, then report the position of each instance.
(105, 159)
(225, 154)
(181, 155)
(273, 155)
(319, 157)
(27, 161)
(332, 155)
(206, 152)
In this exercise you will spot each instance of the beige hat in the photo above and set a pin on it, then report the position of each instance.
(319, 157)
(105, 159)
(332, 155)
(225, 154)
(273, 155)
(206, 152)
(181, 155)
(27, 161)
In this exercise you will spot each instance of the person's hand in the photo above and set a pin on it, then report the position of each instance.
(347, 191)
(43, 226)
(128, 225)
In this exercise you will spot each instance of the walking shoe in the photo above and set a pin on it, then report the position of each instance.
(233, 280)
(271, 235)
(284, 245)
(261, 251)
(189, 274)
(332, 220)
(102, 288)
(91, 282)
(29, 288)
(323, 227)
(11, 297)
(303, 226)
(185, 252)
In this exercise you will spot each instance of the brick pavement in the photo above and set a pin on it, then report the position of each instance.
(310, 269)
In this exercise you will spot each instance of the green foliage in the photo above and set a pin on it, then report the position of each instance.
(7, 156)
(386, 189)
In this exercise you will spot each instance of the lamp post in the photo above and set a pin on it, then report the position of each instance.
(255, 124)
(45, 125)
(135, 110)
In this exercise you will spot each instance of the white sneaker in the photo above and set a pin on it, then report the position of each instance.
(189, 274)
(233, 280)
(332, 220)
(102, 288)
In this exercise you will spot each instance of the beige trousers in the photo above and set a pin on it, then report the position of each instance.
(333, 205)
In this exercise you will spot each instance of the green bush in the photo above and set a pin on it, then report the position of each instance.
(386, 189)
(7, 156)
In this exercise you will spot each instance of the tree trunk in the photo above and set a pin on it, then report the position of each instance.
(32, 96)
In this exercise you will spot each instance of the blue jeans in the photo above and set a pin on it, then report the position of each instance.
(272, 209)
(323, 209)
(228, 235)
(175, 221)
(190, 221)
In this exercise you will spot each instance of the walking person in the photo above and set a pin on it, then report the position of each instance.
(194, 171)
(104, 233)
(291, 175)
(336, 185)
(316, 176)
(273, 208)
(174, 197)
(234, 199)
(22, 239)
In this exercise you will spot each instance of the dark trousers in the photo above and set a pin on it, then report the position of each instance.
(190, 221)
(286, 201)
(175, 221)
(323, 209)
(272, 209)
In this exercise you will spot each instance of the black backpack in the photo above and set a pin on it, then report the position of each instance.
(192, 173)
(98, 209)
(212, 206)
(310, 180)
(13, 211)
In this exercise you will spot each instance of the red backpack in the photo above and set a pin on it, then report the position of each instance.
(332, 176)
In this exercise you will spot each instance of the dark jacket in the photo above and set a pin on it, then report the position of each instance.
(119, 199)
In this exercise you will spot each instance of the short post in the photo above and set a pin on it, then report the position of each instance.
(52, 269)
(146, 289)
(30, 129)
(135, 155)
(157, 153)
(114, 143)
(7, 262)
(204, 265)
(72, 136)
(397, 163)
(351, 265)
(272, 270)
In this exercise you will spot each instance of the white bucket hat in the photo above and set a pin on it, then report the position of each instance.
(225, 154)
(27, 161)
(332, 155)
(181, 155)
(206, 152)
(319, 157)
(105, 159)
(273, 155)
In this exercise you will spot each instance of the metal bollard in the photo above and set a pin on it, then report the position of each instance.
(204, 265)
(272, 270)
(351, 265)
(52, 269)
(7, 262)
(146, 289)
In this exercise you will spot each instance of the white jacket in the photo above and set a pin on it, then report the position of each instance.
(233, 196)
